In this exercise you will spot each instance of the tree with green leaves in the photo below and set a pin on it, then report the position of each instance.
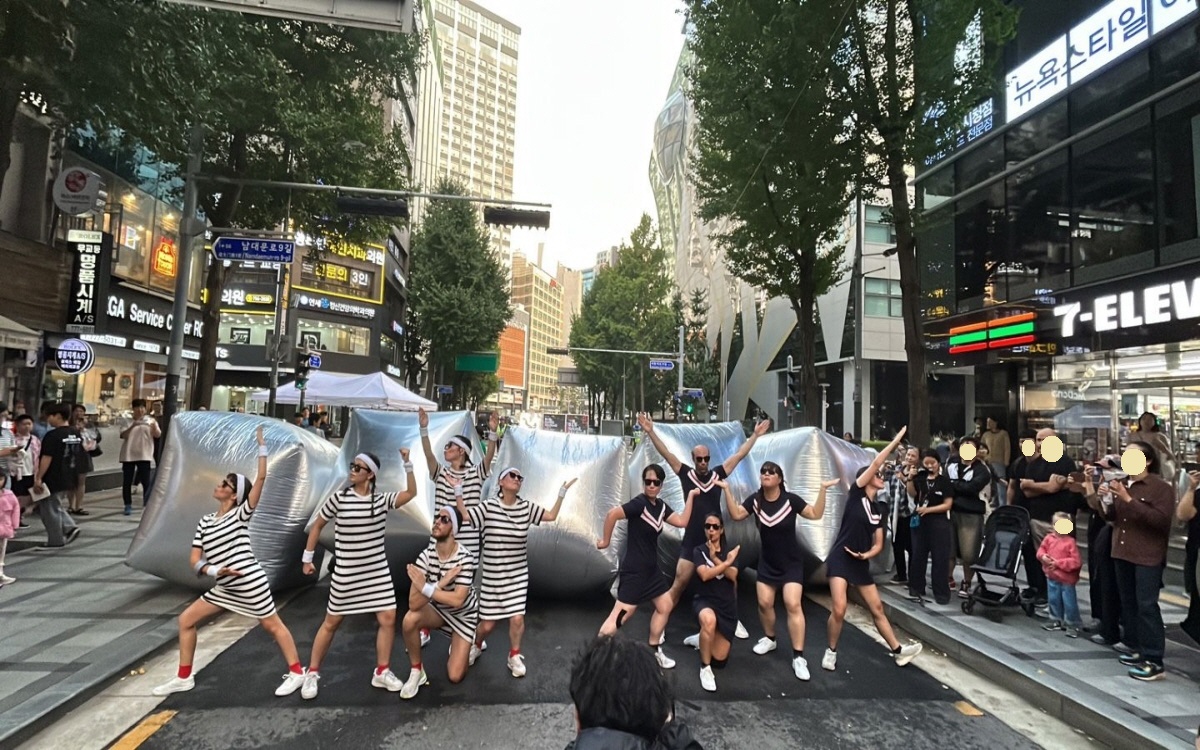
(279, 100)
(35, 45)
(459, 290)
(628, 307)
(775, 155)
(910, 71)
(701, 366)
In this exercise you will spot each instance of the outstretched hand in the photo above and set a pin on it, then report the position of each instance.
(762, 427)
(422, 418)
(733, 553)
(259, 434)
(567, 484)
(644, 421)
(404, 454)
(493, 421)
(830, 483)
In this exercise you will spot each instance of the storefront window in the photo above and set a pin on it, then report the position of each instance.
(1038, 209)
(1110, 92)
(1176, 57)
(1077, 404)
(341, 338)
(1036, 133)
(1178, 134)
(979, 247)
(1112, 219)
(245, 329)
(981, 163)
(109, 388)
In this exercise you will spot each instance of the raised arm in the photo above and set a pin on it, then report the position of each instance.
(680, 520)
(881, 458)
(430, 459)
(410, 487)
(261, 477)
(760, 429)
(815, 510)
(551, 515)
(610, 523)
(647, 426)
(492, 441)
(736, 511)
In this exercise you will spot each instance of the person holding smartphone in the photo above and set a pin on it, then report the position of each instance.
(932, 533)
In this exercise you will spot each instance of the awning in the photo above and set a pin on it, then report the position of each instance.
(13, 335)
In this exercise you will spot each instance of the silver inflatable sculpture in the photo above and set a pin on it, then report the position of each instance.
(202, 447)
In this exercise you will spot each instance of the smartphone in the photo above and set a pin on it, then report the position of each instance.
(1189, 466)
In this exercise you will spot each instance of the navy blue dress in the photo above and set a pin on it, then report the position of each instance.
(639, 579)
(706, 503)
(718, 594)
(860, 520)
(782, 560)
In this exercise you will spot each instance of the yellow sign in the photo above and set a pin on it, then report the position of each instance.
(164, 261)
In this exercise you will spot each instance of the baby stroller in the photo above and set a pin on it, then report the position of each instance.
(1004, 539)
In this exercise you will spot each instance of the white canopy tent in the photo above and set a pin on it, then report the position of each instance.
(375, 391)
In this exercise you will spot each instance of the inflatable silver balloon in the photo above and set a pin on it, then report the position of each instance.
(201, 448)
(384, 433)
(563, 559)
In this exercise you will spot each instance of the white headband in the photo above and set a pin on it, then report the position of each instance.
(461, 444)
(241, 486)
(368, 461)
(453, 514)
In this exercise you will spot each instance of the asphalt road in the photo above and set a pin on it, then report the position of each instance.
(867, 703)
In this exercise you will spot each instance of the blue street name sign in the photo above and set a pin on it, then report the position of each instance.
(662, 364)
(693, 393)
(254, 249)
(314, 361)
(445, 390)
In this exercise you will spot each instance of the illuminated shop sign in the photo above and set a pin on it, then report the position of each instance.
(1001, 333)
(1151, 305)
(165, 260)
(1089, 47)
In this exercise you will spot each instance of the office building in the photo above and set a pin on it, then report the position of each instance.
(542, 297)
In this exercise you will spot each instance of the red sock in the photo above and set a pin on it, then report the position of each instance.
(296, 668)
(514, 652)
(381, 669)
(417, 667)
(185, 671)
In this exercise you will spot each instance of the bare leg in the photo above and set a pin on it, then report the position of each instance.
(870, 594)
(516, 629)
(277, 630)
(837, 612)
(658, 621)
(386, 636)
(483, 631)
(708, 633)
(410, 630)
(610, 625)
(323, 640)
(196, 613)
(683, 576)
(793, 594)
(766, 608)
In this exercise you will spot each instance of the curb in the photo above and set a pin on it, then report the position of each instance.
(1105, 720)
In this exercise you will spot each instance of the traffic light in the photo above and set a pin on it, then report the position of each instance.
(301, 370)
(794, 395)
(361, 205)
(691, 406)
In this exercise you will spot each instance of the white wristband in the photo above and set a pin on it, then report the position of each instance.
(458, 491)
(262, 451)
(562, 492)
(492, 436)
(424, 432)
(307, 557)
(212, 571)
(427, 590)
(408, 467)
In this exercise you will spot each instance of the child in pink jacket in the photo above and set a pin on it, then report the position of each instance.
(10, 519)
(1059, 556)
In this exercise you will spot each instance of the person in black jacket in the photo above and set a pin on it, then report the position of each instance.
(622, 701)
(968, 477)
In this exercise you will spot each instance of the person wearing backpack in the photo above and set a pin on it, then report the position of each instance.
(57, 473)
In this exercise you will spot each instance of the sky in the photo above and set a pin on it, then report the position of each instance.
(591, 79)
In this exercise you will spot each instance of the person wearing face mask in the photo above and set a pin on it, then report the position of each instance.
(934, 496)
(704, 476)
(1141, 509)
(221, 551)
(781, 562)
(361, 581)
(639, 579)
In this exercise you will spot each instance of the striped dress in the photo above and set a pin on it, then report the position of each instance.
(225, 542)
(362, 582)
(443, 496)
(460, 621)
(504, 578)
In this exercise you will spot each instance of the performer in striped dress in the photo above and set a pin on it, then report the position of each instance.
(362, 582)
(640, 580)
(221, 550)
(781, 563)
(457, 467)
(504, 581)
(442, 596)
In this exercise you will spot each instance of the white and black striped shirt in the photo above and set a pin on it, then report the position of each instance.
(362, 582)
(225, 543)
(504, 579)
(443, 496)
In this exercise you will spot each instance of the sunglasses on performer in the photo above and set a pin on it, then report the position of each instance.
(701, 459)
(442, 519)
(358, 467)
(771, 472)
(712, 526)
(515, 476)
(652, 482)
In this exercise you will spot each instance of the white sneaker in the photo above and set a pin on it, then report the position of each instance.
(424, 638)
(416, 678)
(707, 680)
(765, 646)
(829, 661)
(175, 685)
(664, 661)
(516, 665)
(483, 646)
(309, 690)
(292, 682)
(475, 652)
(662, 638)
(693, 641)
(5, 580)
(741, 631)
(800, 667)
(907, 653)
(387, 680)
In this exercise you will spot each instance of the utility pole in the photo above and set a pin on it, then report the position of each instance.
(188, 231)
(679, 392)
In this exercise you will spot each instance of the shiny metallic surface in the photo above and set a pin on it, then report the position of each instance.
(384, 433)
(201, 448)
(563, 559)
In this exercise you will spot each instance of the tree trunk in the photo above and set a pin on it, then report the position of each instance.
(10, 100)
(910, 289)
(805, 307)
